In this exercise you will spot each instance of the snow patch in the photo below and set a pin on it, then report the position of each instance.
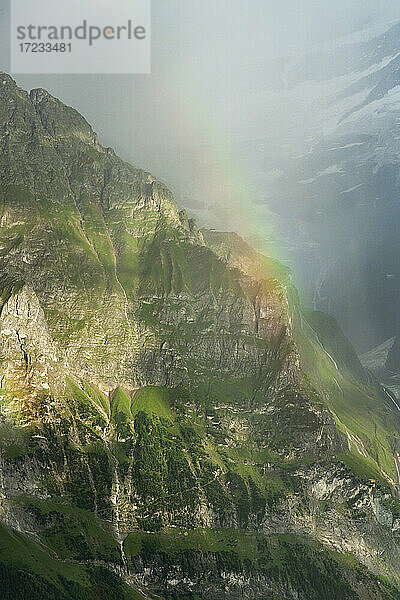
(355, 187)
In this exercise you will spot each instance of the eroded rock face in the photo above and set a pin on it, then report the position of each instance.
(156, 378)
(101, 245)
(29, 357)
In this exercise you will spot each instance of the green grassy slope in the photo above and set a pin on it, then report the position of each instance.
(30, 571)
(362, 412)
(283, 563)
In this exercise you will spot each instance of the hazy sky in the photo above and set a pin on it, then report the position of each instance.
(248, 30)
(209, 73)
(193, 41)
(197, 46)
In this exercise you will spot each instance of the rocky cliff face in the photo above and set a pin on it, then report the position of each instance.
(168, 409)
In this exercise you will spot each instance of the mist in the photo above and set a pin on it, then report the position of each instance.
(232, 104)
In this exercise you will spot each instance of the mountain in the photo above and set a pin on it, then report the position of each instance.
(314, 144)
(173, 423)
(341, 191)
